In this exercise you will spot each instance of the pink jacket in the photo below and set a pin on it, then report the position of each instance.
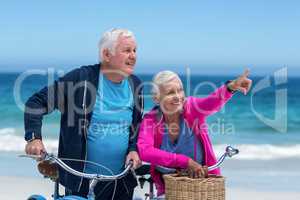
(194, 113)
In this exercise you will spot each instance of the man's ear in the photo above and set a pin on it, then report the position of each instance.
(106, 55)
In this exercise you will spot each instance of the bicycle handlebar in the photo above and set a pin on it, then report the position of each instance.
(52, 158)
(229, 152)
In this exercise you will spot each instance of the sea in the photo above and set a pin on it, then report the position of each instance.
(264, 124)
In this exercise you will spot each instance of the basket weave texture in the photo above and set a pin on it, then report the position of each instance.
(185, 188)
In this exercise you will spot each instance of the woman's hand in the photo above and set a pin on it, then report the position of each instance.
(195, 170)
(242, 83)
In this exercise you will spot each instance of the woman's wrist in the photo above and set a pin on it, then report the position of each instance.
(230, 86)
(191, 164)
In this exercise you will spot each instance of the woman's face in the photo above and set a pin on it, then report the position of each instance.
(171, 97)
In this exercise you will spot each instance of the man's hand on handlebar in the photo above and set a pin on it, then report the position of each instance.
(133, 155)
(35, 147)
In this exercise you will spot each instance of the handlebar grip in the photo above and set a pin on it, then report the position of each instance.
(130, 163)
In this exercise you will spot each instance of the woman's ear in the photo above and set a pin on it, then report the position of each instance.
(156, 99)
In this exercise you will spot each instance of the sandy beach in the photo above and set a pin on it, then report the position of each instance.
(259, 179)
(245, 179)
(20, 188)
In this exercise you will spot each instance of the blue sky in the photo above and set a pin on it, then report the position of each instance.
(208, 36)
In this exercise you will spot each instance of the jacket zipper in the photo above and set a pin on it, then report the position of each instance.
(142, 102)
(84, 130)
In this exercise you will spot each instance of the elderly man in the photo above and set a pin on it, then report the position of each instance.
(101, 106)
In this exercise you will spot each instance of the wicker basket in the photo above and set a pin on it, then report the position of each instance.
(184, 188)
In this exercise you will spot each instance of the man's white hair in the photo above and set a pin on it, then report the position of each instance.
(162, 78)
(110, 38)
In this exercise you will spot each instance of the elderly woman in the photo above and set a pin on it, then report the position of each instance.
(174, 133)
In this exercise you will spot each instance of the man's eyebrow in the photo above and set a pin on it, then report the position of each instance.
(128, 47)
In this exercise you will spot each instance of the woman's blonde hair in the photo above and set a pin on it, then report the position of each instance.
(162, 78)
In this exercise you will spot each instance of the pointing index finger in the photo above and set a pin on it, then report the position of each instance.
(246, 73)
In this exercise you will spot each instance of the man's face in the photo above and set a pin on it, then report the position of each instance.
(124, 59)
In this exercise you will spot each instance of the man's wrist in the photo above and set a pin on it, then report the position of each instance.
(30, 136)
(29, 141)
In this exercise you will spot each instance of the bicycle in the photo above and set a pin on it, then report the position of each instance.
(95, 178)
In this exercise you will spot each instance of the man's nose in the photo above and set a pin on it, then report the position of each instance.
(132, 55)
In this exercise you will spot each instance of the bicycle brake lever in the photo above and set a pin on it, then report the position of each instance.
(41, 157)
(34, 157)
